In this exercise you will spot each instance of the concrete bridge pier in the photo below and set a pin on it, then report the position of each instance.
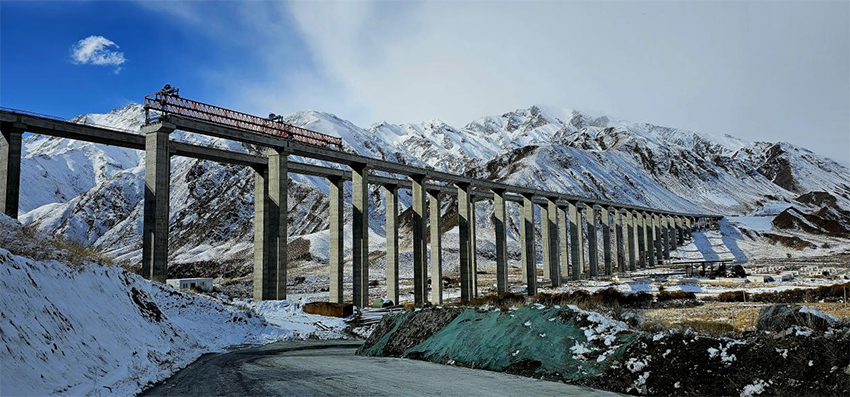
(564, 243)
(529, 257)
(640, 231)
(649, 229)
(391, 229)
(465, 221)
(659, 240)
(436, 257)
(607, 255)
(10, 167)
(665, 230)
(420, 289)
(593, 250)
(157, 184)
(620, 245)
(576, 237)
(474, 249)
(630, 240)
(336, 254)
(500, 226)
(680, 228)
(360, 233)
(549, 222)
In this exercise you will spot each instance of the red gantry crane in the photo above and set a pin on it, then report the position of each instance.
(168, 101)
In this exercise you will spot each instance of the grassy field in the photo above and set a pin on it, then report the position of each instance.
(721, 317)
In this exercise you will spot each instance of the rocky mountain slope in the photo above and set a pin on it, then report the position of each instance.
(93, 193)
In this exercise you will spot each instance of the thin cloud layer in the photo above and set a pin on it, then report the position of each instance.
(96, 50)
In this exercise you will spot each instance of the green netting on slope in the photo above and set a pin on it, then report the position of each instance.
(377, 348)
(565, 341)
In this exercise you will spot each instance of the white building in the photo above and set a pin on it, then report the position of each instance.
(204, 284)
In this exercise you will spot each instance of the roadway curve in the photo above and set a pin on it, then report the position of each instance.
(319, 368)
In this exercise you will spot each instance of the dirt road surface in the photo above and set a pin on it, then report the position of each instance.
(322, 368)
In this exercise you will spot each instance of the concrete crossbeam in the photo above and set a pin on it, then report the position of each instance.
(500, 226)
(10, 168)
(156, 205)
(71, 130)
(420, 288)
(360, 233)
(337, 253)
(529, 256)
(436, 258)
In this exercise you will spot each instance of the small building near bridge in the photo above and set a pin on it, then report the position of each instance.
(203, 284)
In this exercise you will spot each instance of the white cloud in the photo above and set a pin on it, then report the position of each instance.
(96, 50)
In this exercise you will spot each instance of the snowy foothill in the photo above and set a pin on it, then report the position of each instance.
(89, 329)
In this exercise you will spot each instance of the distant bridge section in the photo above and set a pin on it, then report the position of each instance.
(632, 236)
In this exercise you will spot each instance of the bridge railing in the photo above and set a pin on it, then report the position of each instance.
(170, 103)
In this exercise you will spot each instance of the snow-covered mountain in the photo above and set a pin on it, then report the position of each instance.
(93, 193)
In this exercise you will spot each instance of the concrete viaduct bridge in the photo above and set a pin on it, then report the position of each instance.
(641, 236)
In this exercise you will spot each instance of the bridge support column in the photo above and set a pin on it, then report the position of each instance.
(576, 237)
(671, 233)
(549, 222)
(593, 250)
(563, 243)
(607, 255)
(465, 224)
(10, 167)
(680, 223)
(500, 226)
(631, 228)
(335, 256)
(473, 242)
(270, 228)
(391, 229)
(436, 248)
(529, 260)
(157, 184)
(649, 240)
(620, 234)
(689, 227)
(659, 239)
(420, 279)
(665, 233)
(360, 233)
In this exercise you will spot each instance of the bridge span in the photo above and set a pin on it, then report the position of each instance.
(640, 236)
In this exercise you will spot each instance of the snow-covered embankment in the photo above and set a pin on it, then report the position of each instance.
(88, 329)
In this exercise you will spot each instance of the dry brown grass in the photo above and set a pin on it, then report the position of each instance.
(719, 316)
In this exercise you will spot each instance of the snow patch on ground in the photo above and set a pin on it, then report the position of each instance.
(97, 330)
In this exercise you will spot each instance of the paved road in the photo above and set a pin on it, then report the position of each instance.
(321, 368)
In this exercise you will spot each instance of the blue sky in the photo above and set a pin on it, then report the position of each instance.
(756, 70)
